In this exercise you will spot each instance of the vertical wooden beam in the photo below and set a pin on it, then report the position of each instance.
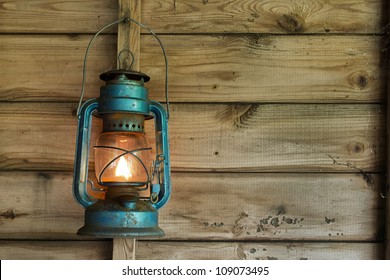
(123, 248)
(129, 33)
(128, 39)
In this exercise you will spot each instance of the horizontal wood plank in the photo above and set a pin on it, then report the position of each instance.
(253, 68)
(214, 137)
(152, 250)
(187, 16)
(220, 206)
(55, 250)
(259, 251)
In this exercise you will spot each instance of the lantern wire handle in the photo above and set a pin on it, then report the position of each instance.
(125, 20)
(85, 61)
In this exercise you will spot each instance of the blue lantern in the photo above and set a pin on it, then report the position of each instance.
(124, 166)
(130, 184)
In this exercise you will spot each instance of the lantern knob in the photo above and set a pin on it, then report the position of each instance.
(128, 201)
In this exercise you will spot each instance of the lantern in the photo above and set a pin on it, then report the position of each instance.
(125, 167)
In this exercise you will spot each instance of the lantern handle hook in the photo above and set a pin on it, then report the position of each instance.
(132, 58)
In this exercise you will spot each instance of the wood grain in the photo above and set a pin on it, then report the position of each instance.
(252, 68)
(259, 251)
(151, 250)
(220, 53)
(129, 34)
(215, 137)
(220, 206)
(187, 16)
(123, 248)
(55, 250)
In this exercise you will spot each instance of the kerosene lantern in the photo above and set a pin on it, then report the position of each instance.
(125, 169)
(123, 162)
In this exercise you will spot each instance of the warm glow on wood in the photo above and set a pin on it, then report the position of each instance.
(123, 169)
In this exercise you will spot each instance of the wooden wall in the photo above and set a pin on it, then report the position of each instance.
(277, 130)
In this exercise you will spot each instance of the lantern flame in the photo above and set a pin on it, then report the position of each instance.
(123, 169)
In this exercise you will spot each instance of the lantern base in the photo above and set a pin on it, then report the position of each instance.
(114, 232)
(121, 216)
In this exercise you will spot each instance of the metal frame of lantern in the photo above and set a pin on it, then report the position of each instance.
(123, 105)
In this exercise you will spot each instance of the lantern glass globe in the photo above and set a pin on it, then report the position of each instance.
(122, 157)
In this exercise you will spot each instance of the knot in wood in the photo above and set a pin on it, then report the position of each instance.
(359, 79)
(291, 22)
(8, 214)
(356, 148)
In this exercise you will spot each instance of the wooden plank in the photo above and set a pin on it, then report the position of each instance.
(259, 251)
(187, 16)
(55, 250)
(220, 206)
(253, 68)
(123, 248)
(215, 137)
(148, 250)
(129, 34)
(252, 207)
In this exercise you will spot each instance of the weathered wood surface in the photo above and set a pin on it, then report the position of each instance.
(259, 251)
(220, 206)
(123, 248)
(253, 68)
(151, 250)
(310, 207)
(55, 250)
(129, 35)
(215, 137)
(188, 16)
